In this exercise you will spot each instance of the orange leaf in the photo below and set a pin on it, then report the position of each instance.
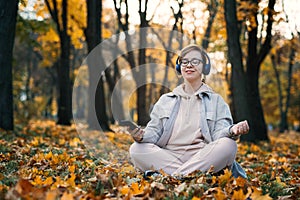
(238, 195)
(51, 195)
(220, 195)
(67, 196)
(24, 187)
(240, 181)
(125, 190)
(136, 189)
(72, 168)
(37, 181)
(48, 181)
(49, 155)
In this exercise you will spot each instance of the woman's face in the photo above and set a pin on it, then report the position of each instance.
(191, 66)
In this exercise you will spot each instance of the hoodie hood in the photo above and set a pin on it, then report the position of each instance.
(204, 89)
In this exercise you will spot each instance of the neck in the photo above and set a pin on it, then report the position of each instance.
(191, 88)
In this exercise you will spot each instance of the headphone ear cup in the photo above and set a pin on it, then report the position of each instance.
(206, 69)
(207, 66)
(178, 68)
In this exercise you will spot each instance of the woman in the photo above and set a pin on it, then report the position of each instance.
(191, 128)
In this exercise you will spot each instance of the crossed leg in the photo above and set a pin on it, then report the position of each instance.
(219, 154)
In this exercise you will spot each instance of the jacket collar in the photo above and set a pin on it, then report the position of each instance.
(204, 90)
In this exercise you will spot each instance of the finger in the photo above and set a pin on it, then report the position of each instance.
(135, 131)
(139, 133)
(241, 130)
(246, 123)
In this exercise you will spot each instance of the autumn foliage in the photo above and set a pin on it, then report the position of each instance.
(44, 161)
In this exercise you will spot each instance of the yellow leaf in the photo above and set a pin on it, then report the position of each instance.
(58, 183)
(257, 195)
(35, 141)
(72, 168)
(220, 195)
(254, 148)
(136, 189)
(62, 141)
(71, 180)
(282, 159)
(128, 169)
(195, 198)
(238, 195)
(49, 155)
(225, 177)
(125, 190)
(75, 142)
(37, 181)
(48, 181)
(55, 160)
(278, 180)
(213, 180)
(106, 33)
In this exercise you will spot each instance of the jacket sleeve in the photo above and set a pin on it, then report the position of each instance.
(158, 116)
(153, 129)
(223, 121)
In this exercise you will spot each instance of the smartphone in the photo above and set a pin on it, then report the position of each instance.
(128, 123)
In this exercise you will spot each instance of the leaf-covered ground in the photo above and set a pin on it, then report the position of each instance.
(46, 161)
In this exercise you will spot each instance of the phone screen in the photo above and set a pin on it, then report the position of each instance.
(128, 123)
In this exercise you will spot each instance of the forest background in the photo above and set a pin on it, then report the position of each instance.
(46, 73)
(256, 69)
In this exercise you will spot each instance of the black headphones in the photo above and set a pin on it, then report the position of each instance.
(206, 67)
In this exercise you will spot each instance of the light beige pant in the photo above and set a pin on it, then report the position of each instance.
(219, 154)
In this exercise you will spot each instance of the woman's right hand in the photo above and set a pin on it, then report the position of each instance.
(137, 134)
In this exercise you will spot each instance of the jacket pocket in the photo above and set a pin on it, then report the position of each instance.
(210, 118)
(163, 117)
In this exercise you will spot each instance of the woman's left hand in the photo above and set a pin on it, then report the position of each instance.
(240, 128)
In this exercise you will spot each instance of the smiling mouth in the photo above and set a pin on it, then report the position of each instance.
(189, 71)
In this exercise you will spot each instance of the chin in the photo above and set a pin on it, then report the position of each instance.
(191, 77)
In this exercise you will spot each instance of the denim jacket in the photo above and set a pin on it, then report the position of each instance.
(215, 120)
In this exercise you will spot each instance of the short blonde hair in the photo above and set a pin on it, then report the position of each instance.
(190, 48)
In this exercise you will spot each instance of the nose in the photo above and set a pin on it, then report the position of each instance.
(189, 64)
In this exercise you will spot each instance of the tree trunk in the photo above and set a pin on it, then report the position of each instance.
(256, 119)
(64, 106)
(138, 75)
(279, 89)
(177, 16)
(284, 117)
(115, 95)
(8, 16)
(213, 10)
(142, 106)
(64, 83)
(93, 35)
(244, 85)
(235, 56)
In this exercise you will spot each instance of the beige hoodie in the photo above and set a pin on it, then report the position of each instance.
(186, 134)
